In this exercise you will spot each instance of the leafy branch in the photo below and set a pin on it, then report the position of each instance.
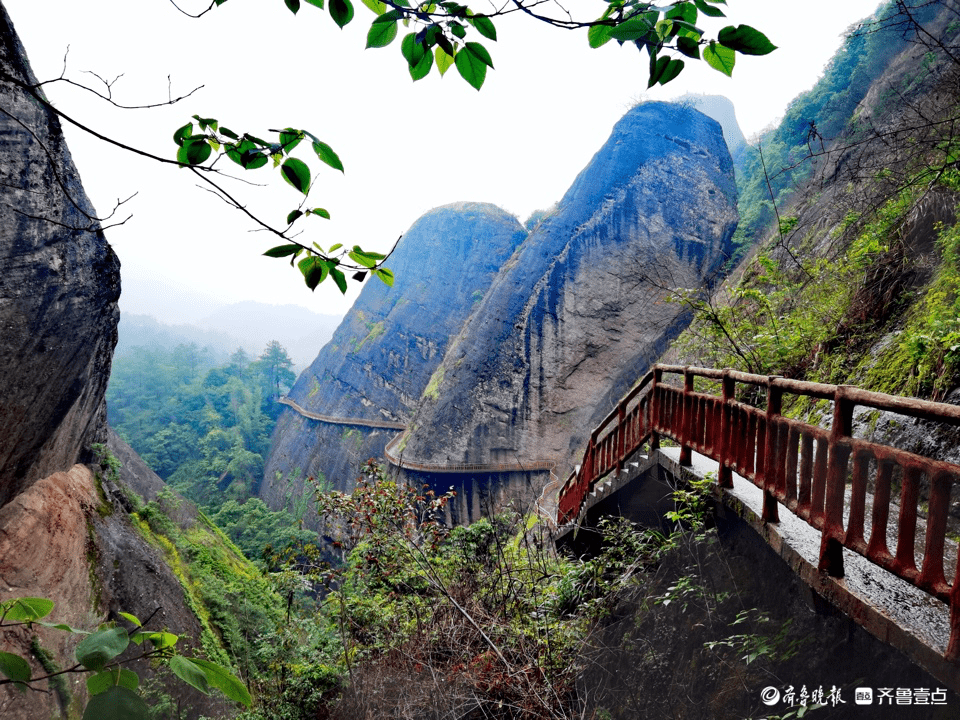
(438, 32)
(113, 688)
(251, 153)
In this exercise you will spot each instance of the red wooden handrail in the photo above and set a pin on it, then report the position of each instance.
(812, 471)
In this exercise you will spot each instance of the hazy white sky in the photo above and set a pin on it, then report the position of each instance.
(406, 147)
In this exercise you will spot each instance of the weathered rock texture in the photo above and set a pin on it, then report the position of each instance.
(63, 534)
(722, 110)
(381, 357)
(58, 291)
(579, 313)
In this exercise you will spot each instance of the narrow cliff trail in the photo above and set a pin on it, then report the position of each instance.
(546, 502)
(362, 422)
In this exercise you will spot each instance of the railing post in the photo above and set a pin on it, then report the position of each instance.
(621, 440)
(655, 409)
(831, 543)
(686, 418)
(725, 474)
(771, 453)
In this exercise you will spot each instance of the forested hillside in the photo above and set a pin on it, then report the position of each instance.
(205, 428)
(855, 277)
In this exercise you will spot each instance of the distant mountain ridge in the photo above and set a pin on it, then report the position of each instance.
(249, 325)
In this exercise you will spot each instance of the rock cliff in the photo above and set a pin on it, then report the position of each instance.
(58, 291)
(579, 312)
(63, 534)
(382, 355)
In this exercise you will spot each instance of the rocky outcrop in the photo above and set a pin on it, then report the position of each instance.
(58, 291)
(381, 358)
(580, 312)
(722, 110)
(64, 534)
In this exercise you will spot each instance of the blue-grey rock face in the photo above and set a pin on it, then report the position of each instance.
(59, 284)
(382, 356)
(578, 314)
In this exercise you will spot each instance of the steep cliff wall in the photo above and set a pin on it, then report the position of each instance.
(381, 357)
(63, 532)
(578, 314)
(58, 291)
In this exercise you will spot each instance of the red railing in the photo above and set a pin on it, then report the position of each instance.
(816, 473)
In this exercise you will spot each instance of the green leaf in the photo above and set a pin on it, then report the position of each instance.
(327, 155)
(162, 640)
(745, 40)
(334, 248)
(96, 650)
(341, 11)
(412, 50)
(598, 35)
(64, 627)
(224, 680)
(257, 141)
(103, 681)
(26, 609)
(471, 68)
(367, 259)
(663, 70)
(190, 673)
(290, 138)
(297, 174)
(293, 215)
(484, 26)
(664, 29)
(385, 275)
(325, 214)
(689, 47)
(381, 34)
(458, 30)
(423, 67)
(686, 11)
(315, 3)
(194, 151)
(377, 7)
(479, 51)
(314, 270)
(444, 60)
(182, 133)
(282, 251)
(720, 57)
(340, 279)
(116, 703)
(15, 668)
(632, 29)
(229, 133)
(293, 5)
(708, 10)
(131, 618)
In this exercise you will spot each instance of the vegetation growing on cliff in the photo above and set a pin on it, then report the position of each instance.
(204, 429)
(857, 280)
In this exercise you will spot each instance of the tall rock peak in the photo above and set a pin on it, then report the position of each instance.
(580, 313)
(381, 357)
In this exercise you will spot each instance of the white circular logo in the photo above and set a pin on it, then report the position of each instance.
(770, 695)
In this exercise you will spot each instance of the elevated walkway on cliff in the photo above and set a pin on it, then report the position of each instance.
(830, 504)
(354, 421)
(546, 502)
